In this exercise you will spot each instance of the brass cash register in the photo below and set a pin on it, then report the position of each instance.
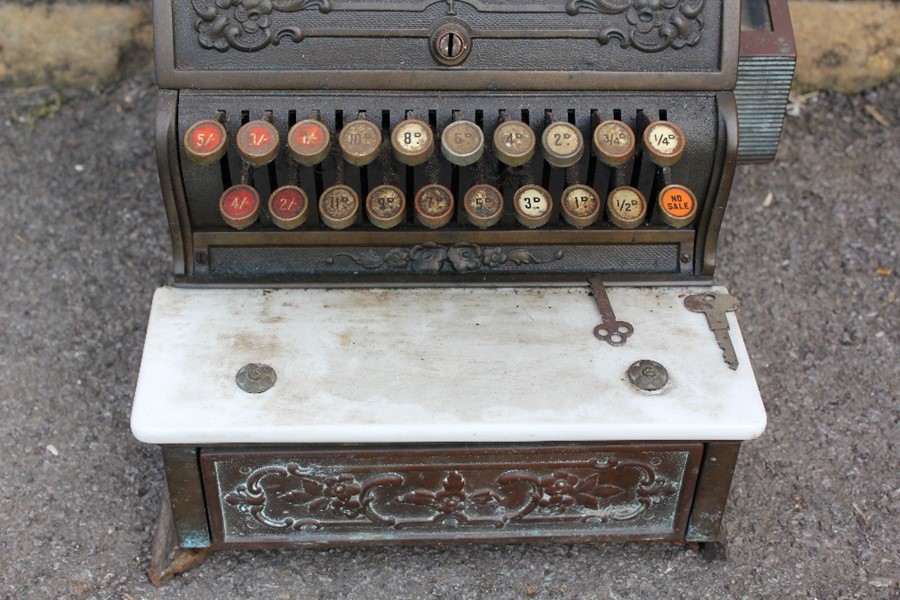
(444, 269)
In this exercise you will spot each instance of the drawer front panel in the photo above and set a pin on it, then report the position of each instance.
(347, 494)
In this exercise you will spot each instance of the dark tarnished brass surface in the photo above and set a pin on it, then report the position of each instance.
(562, 144)
(171, 183)
(451, 42)
(581, 205)
(502, 68)
(360, 141)
(434, 206)
(664, 143)
(483, 205)
(441, 264)
(710, 221)
(359, 494)
(255, 378)
(386, 206)
(765, 71)
(514, 143)
(626, 207)
(533, 205)
(289, 207)
(462, 143)
(168, 558)
(182, 469)
(711, 497)
(413, 142)
(364, 44)
(200, 185)
(338, 206)
(614, 142)
(648, 375)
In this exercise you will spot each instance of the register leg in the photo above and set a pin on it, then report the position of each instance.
(168, 558)
(705, 526)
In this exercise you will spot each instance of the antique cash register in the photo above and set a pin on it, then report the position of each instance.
(444, 269)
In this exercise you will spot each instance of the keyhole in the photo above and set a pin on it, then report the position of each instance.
(450, 45)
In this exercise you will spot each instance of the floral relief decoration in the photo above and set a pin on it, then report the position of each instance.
(430, 258)
(654, 25)
(246, 25)
(308, 498)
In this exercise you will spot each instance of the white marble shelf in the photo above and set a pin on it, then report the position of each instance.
(434, 365)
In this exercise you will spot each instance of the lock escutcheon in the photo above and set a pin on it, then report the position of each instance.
(451, 44)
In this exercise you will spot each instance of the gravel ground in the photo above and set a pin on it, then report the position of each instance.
(814, 508)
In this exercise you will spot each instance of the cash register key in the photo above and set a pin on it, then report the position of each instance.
(533, 205)
(626, 207)
(462, 143)
(360, 142)
(338, 206)
(664, 143)
(581, 206)
(413, 142)
(386, 206)
(434, 205)
(289, 207)
(205, 141)
(309, 142)
(483, 205)
(257, 142)
(514, 143)
(239, 206)
(614, 143)
(562, 144)
(678, 205)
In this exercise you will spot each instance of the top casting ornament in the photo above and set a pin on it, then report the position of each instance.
(648, 25)
(245, 25)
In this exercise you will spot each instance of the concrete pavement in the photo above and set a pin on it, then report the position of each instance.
(814, 508)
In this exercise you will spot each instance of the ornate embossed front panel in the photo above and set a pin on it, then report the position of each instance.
(354, 495)
(565, 44)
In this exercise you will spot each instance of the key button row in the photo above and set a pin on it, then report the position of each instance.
(412, 141)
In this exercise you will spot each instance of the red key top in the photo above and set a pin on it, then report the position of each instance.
(257, 141)
(289, 206)
(239, 206)
(205, 141)
(309, 142)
